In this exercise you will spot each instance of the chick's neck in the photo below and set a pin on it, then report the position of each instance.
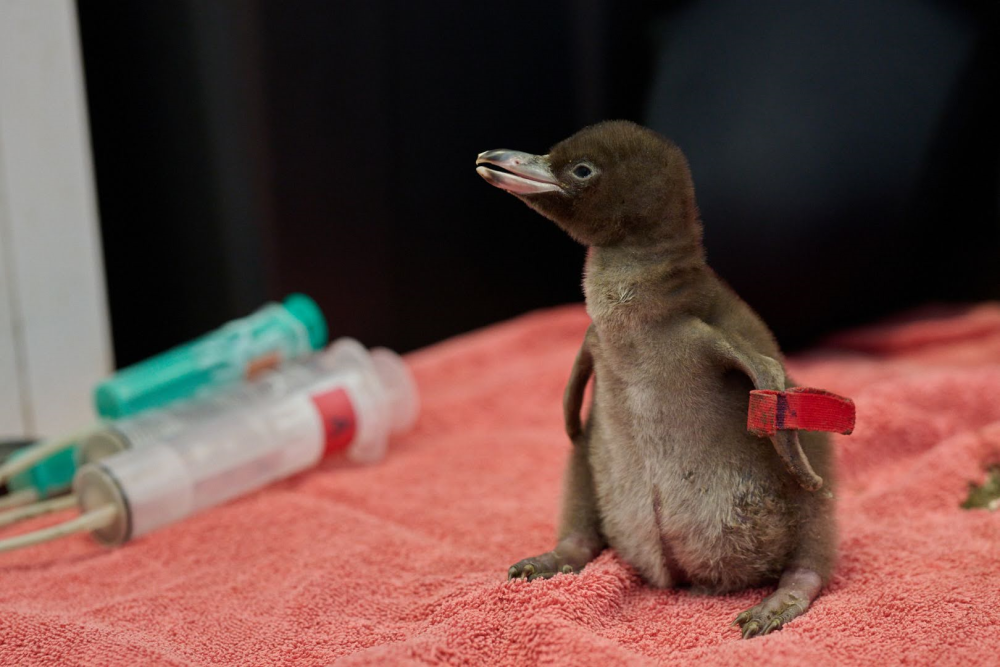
(628, 285)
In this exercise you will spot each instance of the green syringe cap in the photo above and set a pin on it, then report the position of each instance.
(49, 477)
(308, 313)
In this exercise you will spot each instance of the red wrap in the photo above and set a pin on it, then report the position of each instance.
(801, 408)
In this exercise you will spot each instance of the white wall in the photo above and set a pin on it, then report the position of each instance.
(11, 417)
(54, 333)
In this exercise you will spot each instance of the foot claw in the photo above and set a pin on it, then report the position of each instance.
(741, 619)
(772, 626)
(567, 569)
(527, 571)
(750, 629)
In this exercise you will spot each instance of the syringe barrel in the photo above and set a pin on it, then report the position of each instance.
(183, 417)
(245, 447)
(273, 334)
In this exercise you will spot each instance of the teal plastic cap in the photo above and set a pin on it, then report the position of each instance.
(49, 477)
(306, 311)
(106, 401)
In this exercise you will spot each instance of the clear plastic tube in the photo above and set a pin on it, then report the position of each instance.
(238, 351)
(348, 400)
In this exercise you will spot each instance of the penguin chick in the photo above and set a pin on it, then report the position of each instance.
(664, 470)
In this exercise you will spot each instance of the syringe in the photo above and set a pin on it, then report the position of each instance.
(344, 356)
(238, 350)
(107, 438)
(243, 447)
(273, 334)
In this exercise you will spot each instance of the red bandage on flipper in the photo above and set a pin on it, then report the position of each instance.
(800, 408)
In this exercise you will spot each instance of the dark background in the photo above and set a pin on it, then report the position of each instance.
(846, 154)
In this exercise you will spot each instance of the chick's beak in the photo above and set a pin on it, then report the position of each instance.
(516, 172)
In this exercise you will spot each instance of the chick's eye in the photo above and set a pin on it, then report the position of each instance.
(582, 171)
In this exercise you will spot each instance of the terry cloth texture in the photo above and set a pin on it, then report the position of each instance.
(405, 562)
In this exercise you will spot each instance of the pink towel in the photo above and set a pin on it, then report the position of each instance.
(405, 562)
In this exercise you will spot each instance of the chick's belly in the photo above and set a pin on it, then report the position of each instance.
(718, 540)
(681, 508)
(732, 533)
